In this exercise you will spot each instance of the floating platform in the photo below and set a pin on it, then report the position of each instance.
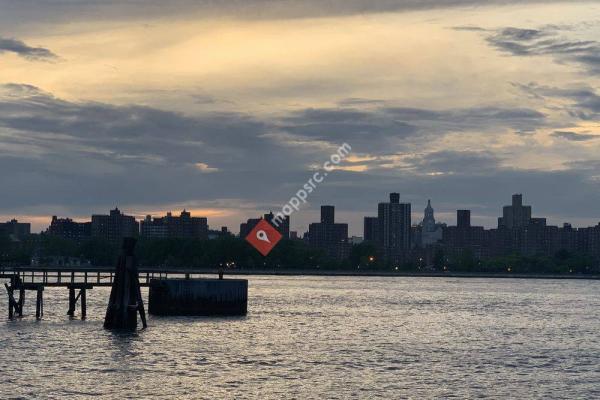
(198, 297)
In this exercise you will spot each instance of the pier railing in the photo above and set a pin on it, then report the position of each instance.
(90, 276)
(76, 279)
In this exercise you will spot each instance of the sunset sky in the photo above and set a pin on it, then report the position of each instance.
(226, 107)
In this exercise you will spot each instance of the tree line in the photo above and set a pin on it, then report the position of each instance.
(236, 253)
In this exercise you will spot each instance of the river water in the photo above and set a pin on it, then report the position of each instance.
(323, 337)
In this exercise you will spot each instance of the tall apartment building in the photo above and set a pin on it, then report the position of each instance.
(329, 236)
(114, 227)
(283, 227)
(170, 226)
(68, 229)
(516, 215)
(394, 229)
(15, 229)
(371, 229)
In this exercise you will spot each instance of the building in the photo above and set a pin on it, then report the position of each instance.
(246, 227)
(519, 233)
(219, 234)
(68, 229)
(59, 261)
(430, 232)
(394, 229)
(153, 228)
(589, 241)
(371, 229)
(169, 226)
(327, 214)
(355, 240)
(283, 227)
(465, 237)
(463, 219)
(114, 227)
(328, 236)
(516, 215)
(15, 229)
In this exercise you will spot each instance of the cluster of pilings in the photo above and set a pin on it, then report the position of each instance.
(15, 307)
(192, 297)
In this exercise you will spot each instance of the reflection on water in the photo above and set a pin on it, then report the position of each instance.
(319, 337)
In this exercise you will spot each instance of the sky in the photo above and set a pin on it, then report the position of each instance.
(226, 108)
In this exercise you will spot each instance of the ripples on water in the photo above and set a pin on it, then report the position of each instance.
(323, 337)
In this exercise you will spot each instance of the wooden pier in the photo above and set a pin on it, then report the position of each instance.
(77, 280)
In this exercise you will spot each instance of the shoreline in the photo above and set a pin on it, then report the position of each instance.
(303, 272)
(384, 274)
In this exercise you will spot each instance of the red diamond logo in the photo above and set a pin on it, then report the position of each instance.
(263, 237)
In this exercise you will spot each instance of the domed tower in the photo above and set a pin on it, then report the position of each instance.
(430, 232)
(429, 219)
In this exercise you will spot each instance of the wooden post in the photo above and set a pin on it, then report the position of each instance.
(11, 300)
(21, 301)
(125, 297)
(71, 311)
(83, 304)
(39, 303)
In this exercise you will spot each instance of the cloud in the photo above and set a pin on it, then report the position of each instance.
(574, 137)
(205, 168)
(454, 162)
(547, 41)
(469, 28)
(30, 53)
(582, 101)
(16, 13)
(364, 130)
(81, 157)
(388, 129)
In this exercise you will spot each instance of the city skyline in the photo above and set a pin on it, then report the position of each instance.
(254, 96)
(313, 199)
(416, 215)
(391, 238)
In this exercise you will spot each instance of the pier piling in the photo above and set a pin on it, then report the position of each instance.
(71, 311)
(125, 297)
(39, 304)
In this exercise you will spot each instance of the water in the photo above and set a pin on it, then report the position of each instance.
(320, 337)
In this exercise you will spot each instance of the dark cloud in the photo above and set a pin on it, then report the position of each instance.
(357, 101)
(575, 137)
(454, 162)
(387, 129)
(547, 41)
(86, 156)
(15, 14)
(366, 131)
(582, 102)
(20, 48)
(469, 28)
